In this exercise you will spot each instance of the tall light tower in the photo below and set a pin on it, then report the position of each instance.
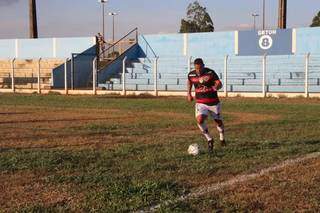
(282, 20)
(254, 15)
(113, 30)
(103, 2)
(264, 15)
(33, 26)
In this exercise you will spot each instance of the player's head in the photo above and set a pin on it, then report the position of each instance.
(198, 64)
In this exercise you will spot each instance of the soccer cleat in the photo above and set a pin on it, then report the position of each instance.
(210, 146)
(223, 143)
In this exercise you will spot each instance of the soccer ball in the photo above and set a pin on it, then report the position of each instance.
(193, 149)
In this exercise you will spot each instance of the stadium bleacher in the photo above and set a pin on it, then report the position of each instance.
(171, 55)
(26, 73)
(244, 74)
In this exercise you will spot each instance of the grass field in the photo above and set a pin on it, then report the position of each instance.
(113, 154)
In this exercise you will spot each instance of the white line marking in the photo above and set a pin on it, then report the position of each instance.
(238, 179)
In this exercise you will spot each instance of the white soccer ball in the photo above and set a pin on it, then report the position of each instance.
(193, 149)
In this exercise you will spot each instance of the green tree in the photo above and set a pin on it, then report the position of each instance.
(316, 21)
(197, 20)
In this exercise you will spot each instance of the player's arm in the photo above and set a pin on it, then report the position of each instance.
(189, 88)
(217, 83)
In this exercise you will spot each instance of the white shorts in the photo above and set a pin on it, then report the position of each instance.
(213, 111)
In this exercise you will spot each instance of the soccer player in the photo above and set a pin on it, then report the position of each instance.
(206, 83)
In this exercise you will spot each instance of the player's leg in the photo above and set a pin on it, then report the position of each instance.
(202, 124)
(220, 128)
(215, 112)
(201, 116)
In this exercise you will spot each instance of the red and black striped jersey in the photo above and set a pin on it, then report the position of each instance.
(204, 86)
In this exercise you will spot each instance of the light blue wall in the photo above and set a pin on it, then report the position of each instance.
(7, 48)
(210, 44)
(167, 45)
(45, 47)
(66, 46)
(217, 43)
(285, 73)
(35, 48)
(197, 44)
(308, 40)
(56, 48)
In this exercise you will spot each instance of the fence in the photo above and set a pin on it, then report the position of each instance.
(263, 75)
(37, 75)
(34, 74)
(259, 75)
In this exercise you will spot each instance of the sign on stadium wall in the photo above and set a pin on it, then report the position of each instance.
(270, 42)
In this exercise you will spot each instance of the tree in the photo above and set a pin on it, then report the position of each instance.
(198, 19)
(33, 28)
(316, 21)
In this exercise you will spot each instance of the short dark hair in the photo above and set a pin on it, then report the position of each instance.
(199, 61)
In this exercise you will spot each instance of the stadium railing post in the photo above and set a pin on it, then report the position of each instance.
(66, 76)
(39, 73)
(124, 92)
(225, 76)
(94, 76)
(155, 76)
(189, 64)
(306, 83)
(72, 73)
(12, 75)
(264, 75)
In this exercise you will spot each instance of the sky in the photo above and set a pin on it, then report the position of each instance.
(69, 18)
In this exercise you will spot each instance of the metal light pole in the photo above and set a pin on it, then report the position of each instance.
(103, 23)
(254, 15)
(113, 31)
(264, 15)
(113, 15)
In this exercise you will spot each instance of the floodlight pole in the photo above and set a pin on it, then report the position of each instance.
(39, 75)
(103, 22)
(113, 31)
(264, 15)
(254, 15)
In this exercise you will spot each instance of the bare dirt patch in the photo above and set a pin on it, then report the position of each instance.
(26, 188)
(40, 127)
(27, 128)
(249, 118)
(237, 118)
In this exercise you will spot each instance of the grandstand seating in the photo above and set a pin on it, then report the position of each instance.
(283, 74)
(26, 73)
